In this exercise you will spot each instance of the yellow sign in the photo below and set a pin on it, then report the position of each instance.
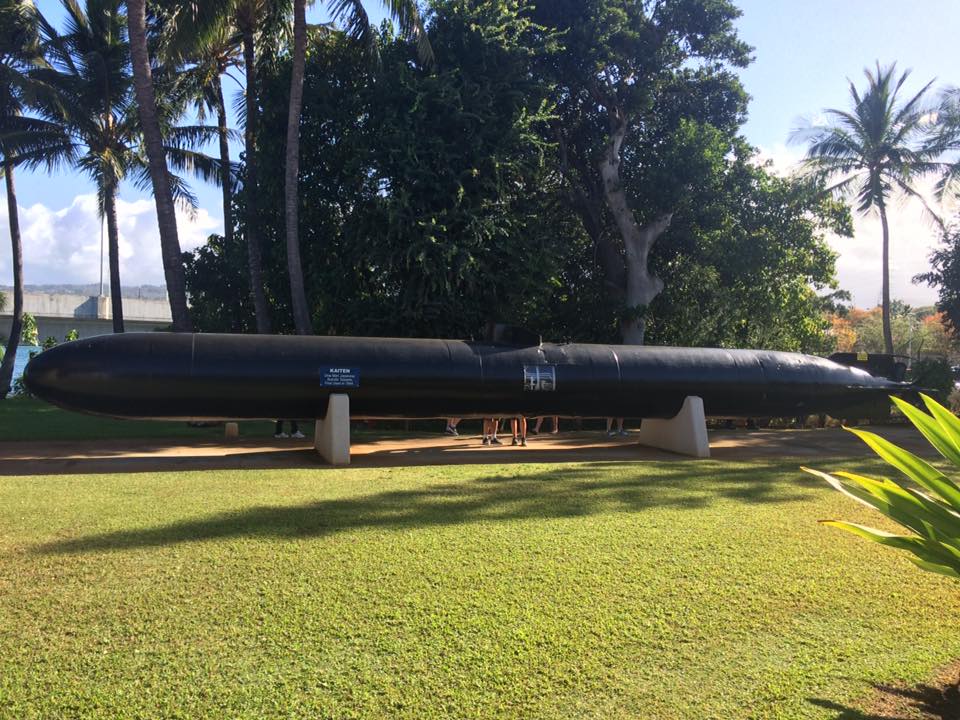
(862, 357)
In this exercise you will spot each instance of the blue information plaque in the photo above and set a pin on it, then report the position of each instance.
(341, 377)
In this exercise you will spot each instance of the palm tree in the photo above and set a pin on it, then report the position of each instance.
(160, 178)
(948, 140)
(255, 20)
(875, 152)
(19, 51)
(352, 15)
(215, 56)
(88, 118)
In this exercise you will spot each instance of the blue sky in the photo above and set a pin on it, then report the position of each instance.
(804, 52)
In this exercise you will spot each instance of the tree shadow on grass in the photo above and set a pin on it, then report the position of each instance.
(556, 493)
(938, 701)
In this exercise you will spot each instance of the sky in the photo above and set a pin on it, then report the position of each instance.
(804, 53)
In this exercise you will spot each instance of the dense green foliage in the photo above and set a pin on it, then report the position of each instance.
(29, 334)
(945, 276)
(669, 590)
(923, 499)
(934, 375)
(434, 201)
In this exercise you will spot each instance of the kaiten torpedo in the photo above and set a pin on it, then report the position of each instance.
(230, 377)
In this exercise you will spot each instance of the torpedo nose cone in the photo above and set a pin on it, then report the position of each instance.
(40, 375)
(66, 373)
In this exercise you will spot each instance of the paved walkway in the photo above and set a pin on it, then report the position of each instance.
(113, 456)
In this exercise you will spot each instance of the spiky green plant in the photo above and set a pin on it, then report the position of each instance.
(924, 500)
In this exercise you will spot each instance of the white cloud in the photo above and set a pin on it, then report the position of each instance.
(63, 246)
(859, 262)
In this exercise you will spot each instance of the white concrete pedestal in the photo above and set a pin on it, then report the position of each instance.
(332, 436)
(684, 434)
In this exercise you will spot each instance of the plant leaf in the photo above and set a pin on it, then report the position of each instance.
(931, 430)
(915, 468)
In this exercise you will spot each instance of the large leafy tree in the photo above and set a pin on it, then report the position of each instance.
(628, 76)
(19, 52)
(352, 15)
(89, 119)
(426, 188)
(944, 275)
(876, 151)
(436, 203)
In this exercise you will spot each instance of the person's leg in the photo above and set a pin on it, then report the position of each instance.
(610, 427)
(495, 426)
(620, 430)
(514, 428)
(486, 431)
(536, 427)
(556, 425)
(295, 430)
(523, 430)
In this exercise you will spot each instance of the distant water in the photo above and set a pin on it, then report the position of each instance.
(23, 357)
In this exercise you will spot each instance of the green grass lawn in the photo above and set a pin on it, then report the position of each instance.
(31, 419)
(648, 590)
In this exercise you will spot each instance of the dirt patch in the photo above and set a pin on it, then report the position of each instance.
(937, 700)
(178, 454)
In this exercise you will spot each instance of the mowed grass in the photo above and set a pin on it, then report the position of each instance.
(32, 420)
(646, 590)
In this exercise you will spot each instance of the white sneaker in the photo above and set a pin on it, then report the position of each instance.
(281, 436)
(298, 435)
(623, 433)
(611, 433)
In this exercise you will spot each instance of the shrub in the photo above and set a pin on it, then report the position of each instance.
(933, 374)
(929, 506)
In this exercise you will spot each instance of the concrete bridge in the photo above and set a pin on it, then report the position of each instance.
(57, 315)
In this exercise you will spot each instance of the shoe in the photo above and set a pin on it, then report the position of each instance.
(486, 441)
(534, 432)
(524, 442)
(494, 441)
(298, 435)
(554, 432)
(611, 433)
(451, 431)
(515, 442)
(623, 433)
(281, 436)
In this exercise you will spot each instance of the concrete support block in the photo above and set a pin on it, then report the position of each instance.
(332, 436)
(231, 430)
(684, 434)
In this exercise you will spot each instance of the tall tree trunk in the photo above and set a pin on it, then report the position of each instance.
(159, 175)
(113, 252)
(298, 294)
(225, 179)
(250, 187)
(16, 327)
(887, 330)
(641, 286)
